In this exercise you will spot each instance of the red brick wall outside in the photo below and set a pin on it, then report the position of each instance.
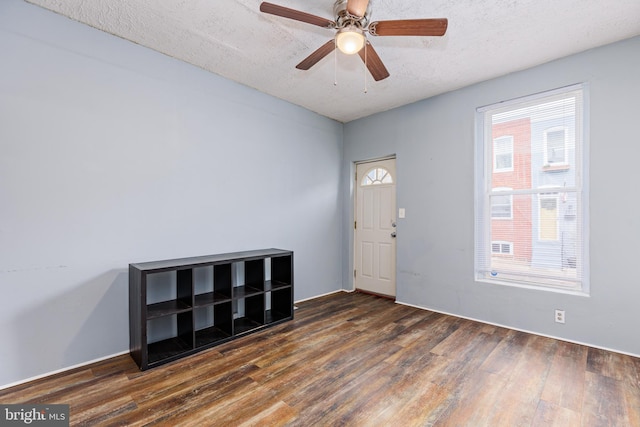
(519, 178)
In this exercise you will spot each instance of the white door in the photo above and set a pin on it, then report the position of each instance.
(375, 251)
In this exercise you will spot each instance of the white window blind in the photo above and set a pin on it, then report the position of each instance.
(535, 200)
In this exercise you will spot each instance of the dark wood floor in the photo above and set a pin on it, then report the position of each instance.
(355, 359)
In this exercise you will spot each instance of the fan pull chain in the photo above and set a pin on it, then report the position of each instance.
(365, 66)
(335, 63)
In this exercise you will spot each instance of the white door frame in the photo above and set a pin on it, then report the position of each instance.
(355, 183)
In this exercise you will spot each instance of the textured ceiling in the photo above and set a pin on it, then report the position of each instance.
(485, 39)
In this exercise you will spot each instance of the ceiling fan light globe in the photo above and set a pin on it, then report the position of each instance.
(350, 40)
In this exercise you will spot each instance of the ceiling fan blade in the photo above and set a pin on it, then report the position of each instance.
(297, 15)
(373, 62)
(410, 27)
(357, 7)
(316, 56)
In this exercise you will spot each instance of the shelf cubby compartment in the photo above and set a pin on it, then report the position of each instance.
(281, 271)
(213, 286)
(281, 305)
(169, 336)
(249, 279)
(168, 293)
(254, 274)
(213, 324)
(250, 314)
(222, 280)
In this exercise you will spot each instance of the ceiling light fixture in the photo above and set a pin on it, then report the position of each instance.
(350, 39)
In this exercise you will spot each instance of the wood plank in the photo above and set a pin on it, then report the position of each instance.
(46, 389)
(427, 332)
(568, 367)
(409, 392)
(551, 415)
(470, 352)
(632, 403)
(519, 399)
(475, 402)
(604, 403)
(504, 358)
(278, 414)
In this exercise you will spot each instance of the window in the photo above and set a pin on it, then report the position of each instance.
(545, 235)
(503, 154)
(501, 204)
(555, 143)
(377, 176)
(504, 248)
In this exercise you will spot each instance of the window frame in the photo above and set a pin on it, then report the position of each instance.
(484, 164)
(380, 180)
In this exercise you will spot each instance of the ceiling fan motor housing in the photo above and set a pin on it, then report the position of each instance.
(344, 18)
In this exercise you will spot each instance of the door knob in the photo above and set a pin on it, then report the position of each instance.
(393, 224)
(393, 234)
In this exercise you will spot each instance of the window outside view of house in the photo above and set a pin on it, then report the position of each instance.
(555, 142)
(503, 154)
(501, 204)
(530, 202)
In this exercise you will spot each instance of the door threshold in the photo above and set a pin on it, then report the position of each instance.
(375, 294)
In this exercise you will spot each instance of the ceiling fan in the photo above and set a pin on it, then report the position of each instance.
(351, 22)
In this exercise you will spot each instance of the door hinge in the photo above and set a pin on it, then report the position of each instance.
(355, 225)
(354, 274)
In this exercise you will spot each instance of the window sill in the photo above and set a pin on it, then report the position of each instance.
(555, 168)
(559, 290)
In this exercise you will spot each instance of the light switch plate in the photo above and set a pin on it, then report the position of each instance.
(401, 213)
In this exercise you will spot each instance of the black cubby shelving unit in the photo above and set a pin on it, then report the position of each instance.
(181, 306)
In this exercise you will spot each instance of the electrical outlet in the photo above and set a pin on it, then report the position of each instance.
(559, 316)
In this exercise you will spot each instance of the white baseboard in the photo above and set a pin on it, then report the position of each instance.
(320, 296)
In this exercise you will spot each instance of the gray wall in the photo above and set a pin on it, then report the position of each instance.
(112, 153)
(434, 143)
